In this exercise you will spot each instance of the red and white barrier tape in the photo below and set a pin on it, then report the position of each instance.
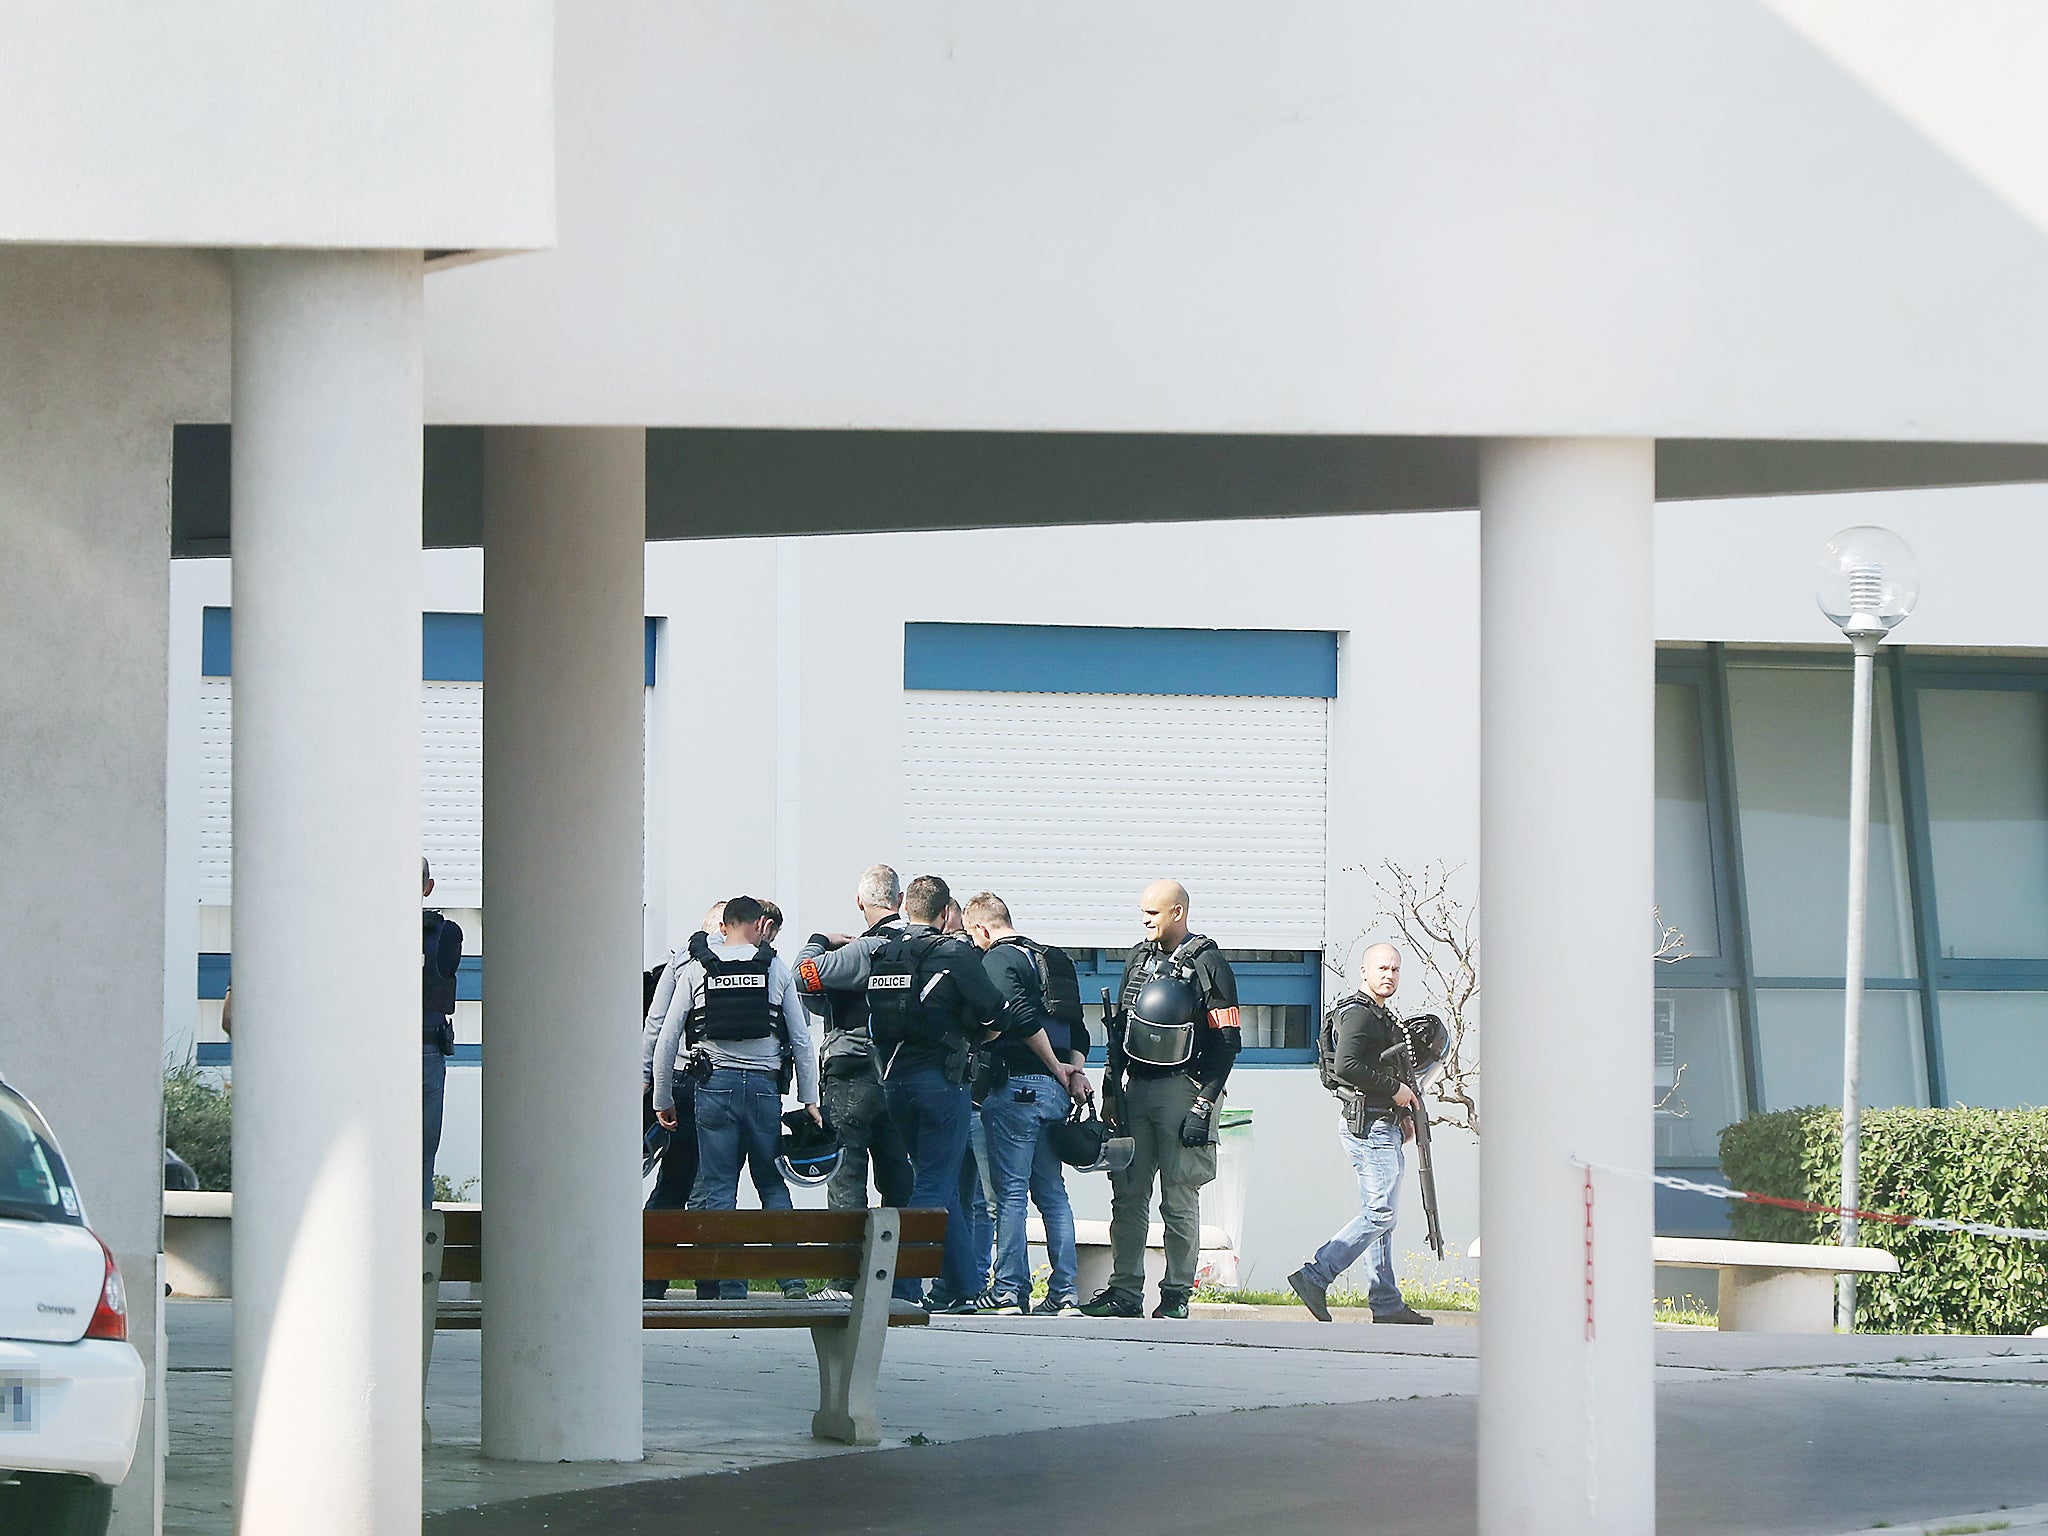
(1889, 1218)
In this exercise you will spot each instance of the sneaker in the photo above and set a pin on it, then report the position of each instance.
(996, 1304)
(1110, 1302)
(793, 1290)
(1407, 1314)
(937, 1305)
(832, 1293)
(1314, 1295)
(1057, 1306)
(1171, 1304)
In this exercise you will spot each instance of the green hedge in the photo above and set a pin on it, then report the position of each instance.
(1965, 1164)
(199, 1124)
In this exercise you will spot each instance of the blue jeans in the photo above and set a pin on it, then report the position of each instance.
(933, 1116)
(1377, 1158)
(1023, 1163)
(433, 1096)
(739, 1117)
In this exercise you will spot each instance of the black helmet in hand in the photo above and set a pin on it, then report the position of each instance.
(810, 1151)
(1083, 1142)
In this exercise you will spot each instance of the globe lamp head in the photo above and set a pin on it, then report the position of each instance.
(1865, 580)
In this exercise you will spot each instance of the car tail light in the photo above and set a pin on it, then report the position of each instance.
(110, 1317)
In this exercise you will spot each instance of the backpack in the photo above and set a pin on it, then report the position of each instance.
(437, 990)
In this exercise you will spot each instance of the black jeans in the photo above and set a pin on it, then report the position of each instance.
(868, 1135)
(676, 1173)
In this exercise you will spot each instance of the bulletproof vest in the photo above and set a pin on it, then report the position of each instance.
(1355, 1032)
(437, 992)
(735, 1004)
(902, 976)
(1166, 1042)
(1059, 988)
(850, 1006)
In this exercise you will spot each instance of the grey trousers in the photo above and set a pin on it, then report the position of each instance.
(1150, 1112)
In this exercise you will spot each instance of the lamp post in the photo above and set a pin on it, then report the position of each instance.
(1866, 584)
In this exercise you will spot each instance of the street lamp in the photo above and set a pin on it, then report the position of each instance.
(1865, 582)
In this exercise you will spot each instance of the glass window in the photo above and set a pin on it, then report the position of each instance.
(1685, 864)
(1986, 752)
(1791, 750)
(1699, 1071)
(1275, 1026)
(34, 1184)
(1799, 1045)
(1994, 1048)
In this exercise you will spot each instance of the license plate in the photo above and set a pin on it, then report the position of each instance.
(17, 1403)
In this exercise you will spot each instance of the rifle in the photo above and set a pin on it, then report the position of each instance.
(1401, 1057)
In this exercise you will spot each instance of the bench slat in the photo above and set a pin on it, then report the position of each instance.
(727, 1227)
(817, 1261)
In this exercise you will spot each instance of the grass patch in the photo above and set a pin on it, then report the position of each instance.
(1688, 1311)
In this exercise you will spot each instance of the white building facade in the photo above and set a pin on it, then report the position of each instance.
(888, 269)
(1272, 711)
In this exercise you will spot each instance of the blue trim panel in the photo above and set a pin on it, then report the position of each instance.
(221, 1053)
(451, 646)
(1057, 658)
(216, 643)
(216, 975)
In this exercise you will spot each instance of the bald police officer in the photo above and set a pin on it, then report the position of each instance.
(1172, 1040)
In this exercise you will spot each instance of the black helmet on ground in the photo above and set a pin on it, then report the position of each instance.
(810, 1151)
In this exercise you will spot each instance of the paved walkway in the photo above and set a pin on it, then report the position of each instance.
(1209, 1426)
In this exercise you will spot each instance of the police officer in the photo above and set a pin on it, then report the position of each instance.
(440, 958)
(1172, 1042)
(929, 1005)
(1040, 1054)
(737, 1005)
(1350, 1050)
(854, 1103)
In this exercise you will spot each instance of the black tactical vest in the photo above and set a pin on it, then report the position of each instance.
(735, 1005)
(901, 978)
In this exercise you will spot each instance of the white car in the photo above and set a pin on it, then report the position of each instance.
(71, 1385)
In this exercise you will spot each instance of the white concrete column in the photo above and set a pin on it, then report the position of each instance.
(1566, 1427)
(326, 487)
(565, 530)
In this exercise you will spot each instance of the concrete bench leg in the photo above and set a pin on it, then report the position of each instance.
(1755, 1300)
(433, 1232)
(850, 1357)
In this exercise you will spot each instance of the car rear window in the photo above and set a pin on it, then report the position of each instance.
(34, 1183)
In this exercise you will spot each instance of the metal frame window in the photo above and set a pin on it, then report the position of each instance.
(1912, 679)
(1285, 986)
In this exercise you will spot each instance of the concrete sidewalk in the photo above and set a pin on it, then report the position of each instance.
(1209, 1425)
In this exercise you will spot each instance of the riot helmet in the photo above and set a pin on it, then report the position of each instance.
(1084, 1143)
(1159, 1029)
(1420, 1045)
(810, 1151)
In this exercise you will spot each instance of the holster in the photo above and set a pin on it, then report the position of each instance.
(960, 1059)
(1359, 1114)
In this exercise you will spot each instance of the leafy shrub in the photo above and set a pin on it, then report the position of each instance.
(1962, 1164)
(199, 1124)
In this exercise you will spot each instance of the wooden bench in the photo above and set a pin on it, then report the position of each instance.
(1770, 1287)
(878, 1247)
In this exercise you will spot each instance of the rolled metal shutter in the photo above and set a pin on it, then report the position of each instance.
(1067, 805)
(451, 790)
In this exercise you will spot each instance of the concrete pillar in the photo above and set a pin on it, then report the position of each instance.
(565, 530)
(1566, 1426)
(326, 488)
